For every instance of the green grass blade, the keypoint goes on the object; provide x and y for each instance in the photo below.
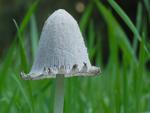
(124, 17)
(121, 38)
(91, 40)
(7, 63)
(91, 35)
(127, 20)
(138, 24)
(85, 18)
(34, 35)
(125, 86)
(147, 5)
(12, 101)
(28, 16)
(99, 56)
(140, 78)
(21, 29)
(24, 63)
(23, 92)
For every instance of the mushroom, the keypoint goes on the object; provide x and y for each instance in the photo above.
(61, 53)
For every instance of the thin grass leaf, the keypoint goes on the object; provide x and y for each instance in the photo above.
(140, 77)
(91, 40)
(22, 49)
(34, 35)
(42, 88)
(7, 64)
(147, 5)
(127, 20)
(21, 29)
(113, 45)
(12, 101)
(23, 91)
(124, 17)
(85, 18)
(145, 37)
(121, 38)
(98, 47)
(91, 35)
(28, 16)
(138, 24)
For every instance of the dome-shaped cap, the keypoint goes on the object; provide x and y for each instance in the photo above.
(61, 50)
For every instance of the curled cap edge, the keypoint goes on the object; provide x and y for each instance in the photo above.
(51, 72)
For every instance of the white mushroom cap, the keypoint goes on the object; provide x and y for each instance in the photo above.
(61, 50)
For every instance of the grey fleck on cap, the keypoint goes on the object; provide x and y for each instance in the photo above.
(61, 50)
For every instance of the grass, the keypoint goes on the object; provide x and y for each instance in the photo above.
(123, 86)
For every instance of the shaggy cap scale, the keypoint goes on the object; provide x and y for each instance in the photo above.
(61, 50)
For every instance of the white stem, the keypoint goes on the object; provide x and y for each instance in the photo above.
(59, 94)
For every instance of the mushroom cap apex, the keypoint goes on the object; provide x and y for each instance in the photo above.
(60, 16)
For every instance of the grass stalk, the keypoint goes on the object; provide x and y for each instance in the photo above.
(138, 24)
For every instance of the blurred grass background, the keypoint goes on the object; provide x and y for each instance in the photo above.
(117, 37)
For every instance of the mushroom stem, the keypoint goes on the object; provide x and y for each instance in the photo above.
(59, 94)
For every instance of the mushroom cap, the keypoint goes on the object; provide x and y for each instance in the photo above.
(61, 50)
